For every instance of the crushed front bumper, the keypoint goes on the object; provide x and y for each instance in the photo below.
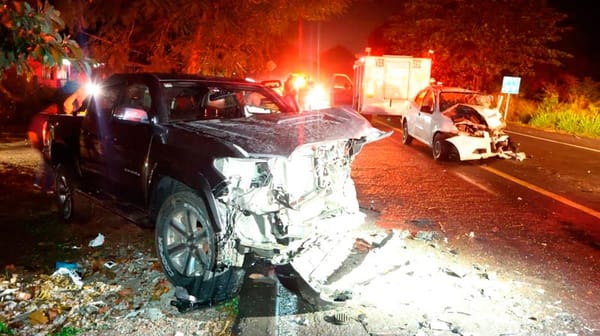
(475, 148)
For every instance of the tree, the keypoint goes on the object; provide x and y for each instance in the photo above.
(28, 33)
(211, 37)
(473, 42)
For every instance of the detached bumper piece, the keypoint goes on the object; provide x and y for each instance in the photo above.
(214, 289)
(185, 302)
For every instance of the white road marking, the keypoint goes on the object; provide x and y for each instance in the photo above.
(473, 182)
(554, 141)
(528, 185)
(544, 192)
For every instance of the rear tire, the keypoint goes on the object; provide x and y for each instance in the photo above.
(406, 138)
(186, 246)
(64, 191)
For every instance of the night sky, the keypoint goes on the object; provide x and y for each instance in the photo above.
(352, 30)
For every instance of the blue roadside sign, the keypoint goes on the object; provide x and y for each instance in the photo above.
(510, 84)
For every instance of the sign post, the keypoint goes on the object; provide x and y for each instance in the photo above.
(510, 85)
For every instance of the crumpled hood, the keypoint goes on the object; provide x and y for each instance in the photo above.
(492, 116)
(281, 134)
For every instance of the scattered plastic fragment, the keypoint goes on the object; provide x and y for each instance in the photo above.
(72, 274)
(70, 266)
(340, 318)
(98, 241)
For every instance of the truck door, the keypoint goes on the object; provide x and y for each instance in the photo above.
(131, 134)
(94, 133)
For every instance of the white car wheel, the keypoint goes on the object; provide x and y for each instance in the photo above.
(439, 148)
(406, 138)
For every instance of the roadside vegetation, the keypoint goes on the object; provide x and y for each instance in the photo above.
(66, 331)
(572, 106)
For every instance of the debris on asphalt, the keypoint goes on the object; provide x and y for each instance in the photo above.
(407, 288)
(98, 241)
(132, 297)
(71, 274)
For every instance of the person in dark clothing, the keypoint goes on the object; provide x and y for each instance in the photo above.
(44, 178)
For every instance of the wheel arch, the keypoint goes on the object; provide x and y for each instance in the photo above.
(62, 154)
(164, 185)
(443, 137)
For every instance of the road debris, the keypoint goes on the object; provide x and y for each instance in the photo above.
(96, 301)
(98, 241)
(71, 274)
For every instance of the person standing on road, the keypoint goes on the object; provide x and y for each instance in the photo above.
(44, 177)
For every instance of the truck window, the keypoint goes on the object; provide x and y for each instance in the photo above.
(193, 101)
(136, 104)
(101, 106)
(184, 100)
(107, 98)
(224, 104)
(255, 102)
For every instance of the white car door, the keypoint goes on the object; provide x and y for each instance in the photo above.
(424, 116)
(413, 112)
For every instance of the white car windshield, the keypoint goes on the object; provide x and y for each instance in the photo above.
(449, 99)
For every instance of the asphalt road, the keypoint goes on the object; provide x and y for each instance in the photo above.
(538, 218)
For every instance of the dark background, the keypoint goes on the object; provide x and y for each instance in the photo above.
(352, 30)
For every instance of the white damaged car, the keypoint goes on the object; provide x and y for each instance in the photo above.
(458, 124)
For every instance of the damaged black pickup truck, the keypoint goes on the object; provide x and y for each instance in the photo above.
(222, 168)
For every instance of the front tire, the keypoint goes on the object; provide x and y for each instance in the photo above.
(406, 138)
(453, 154)
(64, 191)
(440, 148)
(185, 239)
(186, 246)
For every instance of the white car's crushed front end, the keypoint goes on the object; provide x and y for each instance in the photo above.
(479, 133)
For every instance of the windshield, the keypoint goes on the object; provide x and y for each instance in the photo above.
(188, 101)
(449, 99)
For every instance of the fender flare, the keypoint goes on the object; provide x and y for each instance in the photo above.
(163, 185)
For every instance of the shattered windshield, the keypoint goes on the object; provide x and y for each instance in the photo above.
(449, 99)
